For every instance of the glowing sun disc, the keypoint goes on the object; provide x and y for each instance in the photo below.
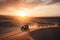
(22, 13)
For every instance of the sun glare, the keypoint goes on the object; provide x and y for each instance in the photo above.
(22, 13)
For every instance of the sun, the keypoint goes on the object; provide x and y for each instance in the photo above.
(22, 13)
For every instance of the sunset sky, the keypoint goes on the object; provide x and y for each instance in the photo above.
(36, 8)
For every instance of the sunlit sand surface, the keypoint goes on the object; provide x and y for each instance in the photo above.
(38, 29)
(19, 34)
(16, 35)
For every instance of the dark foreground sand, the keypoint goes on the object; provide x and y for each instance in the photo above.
(40, 34)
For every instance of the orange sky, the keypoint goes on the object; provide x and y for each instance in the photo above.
(30, 7)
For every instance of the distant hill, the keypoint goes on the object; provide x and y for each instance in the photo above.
(33, 19)
(7, 16)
